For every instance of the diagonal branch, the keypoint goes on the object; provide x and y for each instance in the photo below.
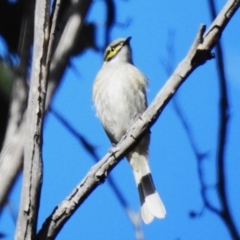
(198, 54)
(200, 156)
(132, 216)
(224, 210)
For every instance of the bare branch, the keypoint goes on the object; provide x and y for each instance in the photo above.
(224, 211)
(32, 174)
(215, 30)
(64, 49)
(132, 216)
(223, 129)
(12, 151)
(200, 157)
(11, 161)
(198, 54)
(52, 32)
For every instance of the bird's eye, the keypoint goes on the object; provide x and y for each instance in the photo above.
(112, 49)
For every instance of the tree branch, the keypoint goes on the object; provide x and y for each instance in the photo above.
(200, 156)
(11, 161)
(91, 150)
(222, 138)
(224, 211)
(65, 45)
(32, 174)
(198, 54)
(12, 151)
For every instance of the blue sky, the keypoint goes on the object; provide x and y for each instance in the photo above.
(173, 164)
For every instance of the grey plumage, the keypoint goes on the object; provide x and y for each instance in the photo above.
(119, 95)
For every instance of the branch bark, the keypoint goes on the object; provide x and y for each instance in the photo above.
(11, 161)
(198, 54)
(32, 174)
(134, 218)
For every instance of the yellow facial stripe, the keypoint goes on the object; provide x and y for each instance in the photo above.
(112, 51)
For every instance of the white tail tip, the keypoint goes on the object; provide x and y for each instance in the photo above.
(152, 207)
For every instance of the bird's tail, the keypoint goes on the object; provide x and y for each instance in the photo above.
(151, 204)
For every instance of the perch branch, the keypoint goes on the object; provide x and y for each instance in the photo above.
(198, 54)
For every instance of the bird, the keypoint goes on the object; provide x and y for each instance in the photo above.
(119, 96)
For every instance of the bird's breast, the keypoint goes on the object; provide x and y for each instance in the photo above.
(119, 97)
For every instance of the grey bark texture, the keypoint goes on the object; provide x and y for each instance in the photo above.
(32, 165)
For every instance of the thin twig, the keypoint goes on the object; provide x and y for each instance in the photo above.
(222, 137)
(53, 31)
(200, 157)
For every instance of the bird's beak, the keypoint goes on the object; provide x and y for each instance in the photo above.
(127, 40)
